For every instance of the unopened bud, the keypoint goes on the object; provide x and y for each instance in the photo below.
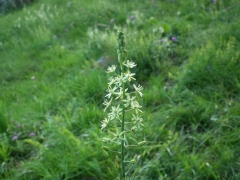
(134, 128)
(134, 160)
(106, 153)
(119, 34)
(142, 143)
(118, 51)
(120, 57)
(105, 148)
(136, 172)
(106, 140)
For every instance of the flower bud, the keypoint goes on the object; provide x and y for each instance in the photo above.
(120, 34)
(120, 57)
(134, 128)
(119, 47)
(105, 153)
(105, 148)
(134, 160)
(106, 140)
(142, 143)
(118, 51)
(121, 42)
(136, 172)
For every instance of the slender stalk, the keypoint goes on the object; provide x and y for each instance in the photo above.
(123, 136)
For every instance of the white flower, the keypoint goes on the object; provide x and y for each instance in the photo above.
(120, 80)
(107, 104)
(111, 91)
(129, 100)
(135, 105)
(111, 81)
(117, 138)
(111, 69)
(129, 76)
(120, 92)
(104, 123)
(115, 112)
(137, 121)
(129, 64)
(138, 89)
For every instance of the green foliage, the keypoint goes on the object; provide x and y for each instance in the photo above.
(90, 85)
(3, 120)
(221, 63)
(4, 150)
(68, 152)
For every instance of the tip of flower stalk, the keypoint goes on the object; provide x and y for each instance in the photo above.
(120, 33)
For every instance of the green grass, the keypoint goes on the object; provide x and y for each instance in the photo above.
(52, 85)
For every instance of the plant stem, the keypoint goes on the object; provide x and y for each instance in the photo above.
(123, 136)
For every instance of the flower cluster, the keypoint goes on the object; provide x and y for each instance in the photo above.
(116, 90)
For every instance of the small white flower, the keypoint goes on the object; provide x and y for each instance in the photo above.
(135, 105)
(111, 69)
(120, 80)
(129, 76)
(138, 89)
(129, 64)
(111, 91)
(115, 112)
(104, 123)
(137, 121)
(129, 100)
(111, 81)
(119, 94)
(117, 137)
(107, 104)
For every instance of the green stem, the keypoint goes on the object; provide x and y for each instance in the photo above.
(123, 138)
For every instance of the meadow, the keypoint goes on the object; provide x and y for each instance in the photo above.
(53, 60)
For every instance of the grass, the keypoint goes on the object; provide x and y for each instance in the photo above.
(52, 84)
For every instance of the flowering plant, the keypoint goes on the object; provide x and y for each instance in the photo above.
(122, 101)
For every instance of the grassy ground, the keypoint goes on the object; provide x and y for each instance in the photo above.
(52, 88)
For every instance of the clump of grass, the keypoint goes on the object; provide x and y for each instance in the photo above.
(220, 63)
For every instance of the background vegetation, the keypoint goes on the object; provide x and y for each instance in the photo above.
(53, 56)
